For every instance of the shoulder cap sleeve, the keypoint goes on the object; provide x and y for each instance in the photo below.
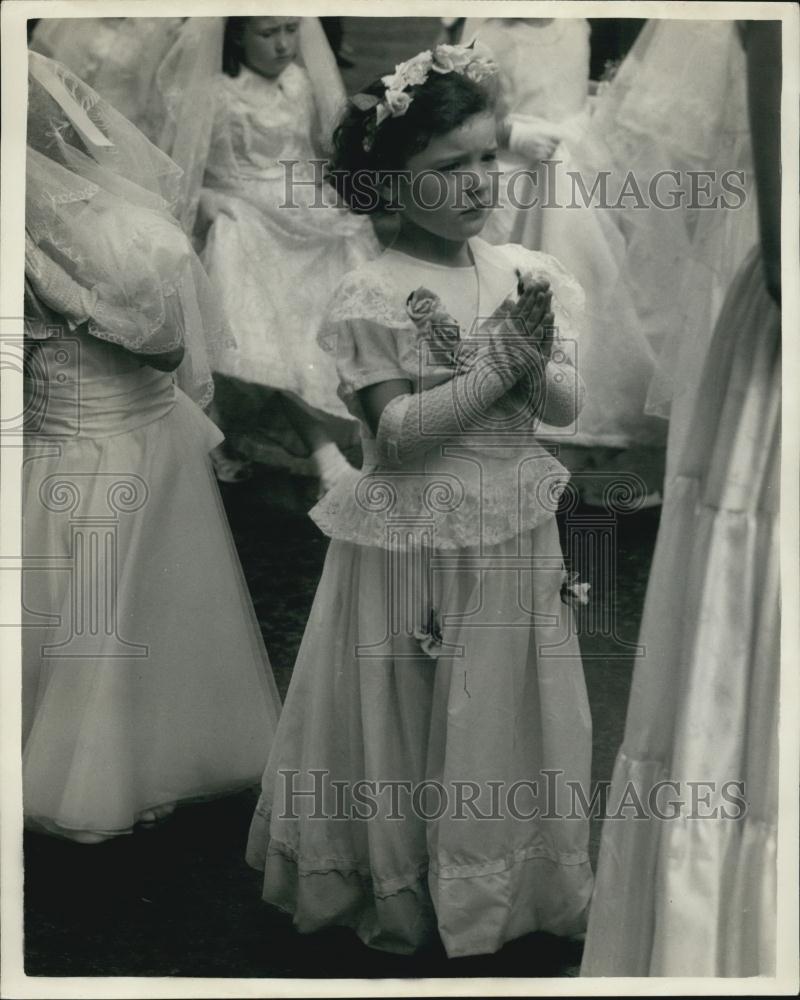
(369, 334)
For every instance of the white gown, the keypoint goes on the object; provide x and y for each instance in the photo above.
(145, 678)
(504, 701)
(697, 896)
(275, 268)
(544, 76)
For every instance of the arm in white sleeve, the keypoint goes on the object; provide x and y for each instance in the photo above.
(563, 396)
(76, 303)
(413, 423)
(55, 287)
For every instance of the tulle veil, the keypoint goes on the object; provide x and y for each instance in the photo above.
(185, 87)
(99, 199)
(678, 103)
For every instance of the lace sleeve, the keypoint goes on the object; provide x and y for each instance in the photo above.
(370, 336)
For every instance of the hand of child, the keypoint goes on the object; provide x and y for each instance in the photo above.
(532, 145)
(515, 348)
(536, 299)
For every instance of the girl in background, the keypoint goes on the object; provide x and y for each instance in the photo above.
(438, 652)
(274, 251)
(145, 680)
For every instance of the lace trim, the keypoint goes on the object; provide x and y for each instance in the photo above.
(451, 508)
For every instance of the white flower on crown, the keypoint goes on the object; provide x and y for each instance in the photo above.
(415, 71)
(395, 103)
(479, 70)
(411, 73)
(451, 58)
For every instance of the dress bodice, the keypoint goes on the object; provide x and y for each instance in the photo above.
(259, 122)
(544, 69)
(489, 486)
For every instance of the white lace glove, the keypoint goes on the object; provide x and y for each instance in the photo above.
(413, 423)
(548, 386)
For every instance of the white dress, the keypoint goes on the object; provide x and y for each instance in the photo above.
(469, 675)
(275, 268)
(145, 678)
(544, 76)
(697, 896)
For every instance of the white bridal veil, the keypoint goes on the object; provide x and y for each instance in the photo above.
(186, 83)
(98, 202)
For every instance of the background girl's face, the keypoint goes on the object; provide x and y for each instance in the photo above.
(450, 191)
(269, 44)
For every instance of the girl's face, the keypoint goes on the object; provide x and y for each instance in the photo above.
(450, 190)
(269, 44)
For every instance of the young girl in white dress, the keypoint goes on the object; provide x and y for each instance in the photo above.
(545, 106)
(273, 255)
(145, 680)
(439, 660)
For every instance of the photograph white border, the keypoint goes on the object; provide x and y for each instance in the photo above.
(13, 981)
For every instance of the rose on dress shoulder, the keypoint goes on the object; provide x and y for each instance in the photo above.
(421, 304)
(441, 333)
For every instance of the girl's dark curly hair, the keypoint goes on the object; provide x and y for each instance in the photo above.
(439, 105)
(232, 45)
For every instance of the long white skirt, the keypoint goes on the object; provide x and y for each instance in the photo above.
(504, 702)
(145, 678)
(696, 896)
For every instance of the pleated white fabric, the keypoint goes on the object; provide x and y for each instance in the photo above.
(505, 703)
(696, 895)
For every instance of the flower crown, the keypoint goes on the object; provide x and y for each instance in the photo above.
(461, 59)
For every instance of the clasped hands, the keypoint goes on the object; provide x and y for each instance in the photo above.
(521, 331)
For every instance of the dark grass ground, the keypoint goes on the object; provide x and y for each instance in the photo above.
(179, 900)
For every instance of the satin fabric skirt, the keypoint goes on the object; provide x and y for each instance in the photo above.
(371, 702)
(695, 895)
(145, 679)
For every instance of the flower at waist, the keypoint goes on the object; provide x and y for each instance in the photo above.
(574, 592)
